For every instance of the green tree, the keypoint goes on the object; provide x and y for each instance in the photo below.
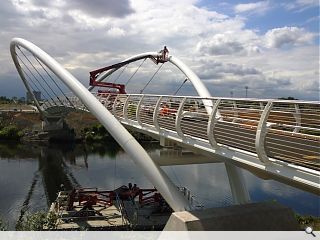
(288, 98)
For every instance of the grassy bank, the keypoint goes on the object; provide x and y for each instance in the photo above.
(308, 221)
(13, 126)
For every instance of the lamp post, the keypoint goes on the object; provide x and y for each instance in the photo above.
(246, 87)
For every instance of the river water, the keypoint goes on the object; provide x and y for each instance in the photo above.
(31, 176)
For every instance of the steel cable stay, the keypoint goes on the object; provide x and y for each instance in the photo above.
(141, 91)
(49, 75)
(120, 73)
(40, 76)
(135, 71)
(184, 81)
(37, 80)
(31, 81)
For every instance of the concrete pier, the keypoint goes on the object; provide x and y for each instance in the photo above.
(267, 216)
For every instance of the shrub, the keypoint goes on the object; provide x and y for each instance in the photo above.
(37, 222)
(10, 132)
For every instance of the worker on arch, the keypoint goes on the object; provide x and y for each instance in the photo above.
(163, 55)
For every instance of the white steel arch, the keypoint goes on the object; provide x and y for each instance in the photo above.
(152, 171)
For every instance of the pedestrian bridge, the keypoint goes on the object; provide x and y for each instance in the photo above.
(274, 137)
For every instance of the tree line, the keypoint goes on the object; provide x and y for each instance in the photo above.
(4, 99)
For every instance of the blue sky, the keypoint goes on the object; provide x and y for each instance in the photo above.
(278, 14)
(271, 46)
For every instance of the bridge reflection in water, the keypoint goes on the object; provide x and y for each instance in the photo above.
(30, 177)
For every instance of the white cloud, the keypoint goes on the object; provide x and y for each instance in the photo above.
(116, 32)
(279, 37)
(301, 5)
(220, 48)
(237, 42)
(94, 8)
(220, 44)
(256, 7)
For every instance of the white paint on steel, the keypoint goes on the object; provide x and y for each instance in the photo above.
(262, 132)
(138, 110)
(235, 110)
(156, 113)
(179, 117)
(125, 108)
(211, 124)
(114, 106)
(297, 117)
(152, 171)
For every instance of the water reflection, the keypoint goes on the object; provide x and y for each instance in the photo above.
(31, 176)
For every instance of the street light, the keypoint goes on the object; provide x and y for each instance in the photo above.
(246, 87)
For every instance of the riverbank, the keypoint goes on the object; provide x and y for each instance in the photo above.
(81, 126)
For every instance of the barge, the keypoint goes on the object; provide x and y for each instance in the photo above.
(125, 208)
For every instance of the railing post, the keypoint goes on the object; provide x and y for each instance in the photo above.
(235, 111)
(156, 113)
(211, 124)
(138, 110)
(125, 108)
(106, 101)
(115, 105)
(297, 117)
(179, 117)
(261, 105)
(262, 132)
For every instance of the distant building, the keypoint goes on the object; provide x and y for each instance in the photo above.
(37, 95)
